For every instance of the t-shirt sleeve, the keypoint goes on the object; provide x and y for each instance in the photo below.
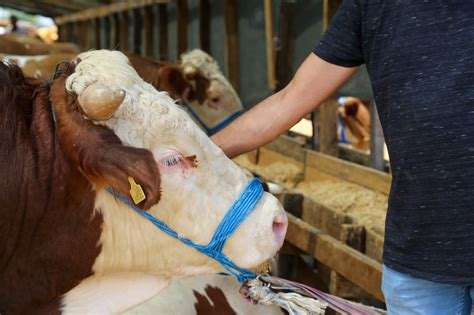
(342, 42)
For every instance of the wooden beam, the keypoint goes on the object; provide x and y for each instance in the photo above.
(346, 261)
(148, 39)
(232, 43)
(106, 10)
(163, 23)
(205, 25)
(270, 49)
(182, 21)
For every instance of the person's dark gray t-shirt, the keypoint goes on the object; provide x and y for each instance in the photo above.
(420, 58)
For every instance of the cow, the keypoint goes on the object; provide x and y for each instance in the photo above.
(14, 44)
(70, 246)
(356, 116)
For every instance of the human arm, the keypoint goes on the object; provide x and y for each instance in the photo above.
(314, 81)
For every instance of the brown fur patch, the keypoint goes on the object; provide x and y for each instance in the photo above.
(219, 306)
(49, 236)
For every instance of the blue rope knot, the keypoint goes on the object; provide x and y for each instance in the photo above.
(237, 213)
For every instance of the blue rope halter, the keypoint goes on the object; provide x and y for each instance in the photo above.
(237, 213)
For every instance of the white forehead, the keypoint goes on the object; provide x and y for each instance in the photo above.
(111, 68)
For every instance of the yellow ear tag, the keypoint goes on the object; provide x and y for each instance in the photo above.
(136, 191)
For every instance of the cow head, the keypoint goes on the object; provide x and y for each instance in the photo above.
(198, 182)
(198, 80)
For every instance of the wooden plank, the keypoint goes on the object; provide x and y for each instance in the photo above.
(205, 25)
(105, 10)
(350, 172)
(346, 261)
(348, 153)
(148, 39)
(124, 31)
(288, 147)
(357, 174)
(137, 29)
(231, 42)
(377, 141)
(182, 21)
(163, 21)
(328, 127)
(285, 54)
(270, 49)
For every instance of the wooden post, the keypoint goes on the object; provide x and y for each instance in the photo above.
(271, 77)
(97, 42)
(328, 127)
(137, 28)
(124, 31)
(61, 33)
(329, 9)
(316, 135)
(232, 44)
(163, 23)
(115, 30)
(106, 32)
(148, 22)
(83, 35)
(103, 32)
(205, 25)
(182, 19)
(324, 119)
(287, 44)
(377, 140)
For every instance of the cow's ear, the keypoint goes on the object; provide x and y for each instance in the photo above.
(99, 153)
(172, 80)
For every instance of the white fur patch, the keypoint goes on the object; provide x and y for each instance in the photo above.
(111, 294)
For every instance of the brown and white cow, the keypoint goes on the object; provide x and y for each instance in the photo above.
(355, 114)
(15, 44)
(67, 244)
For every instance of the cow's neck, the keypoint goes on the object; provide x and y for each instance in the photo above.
(129, 242)
(47, 220)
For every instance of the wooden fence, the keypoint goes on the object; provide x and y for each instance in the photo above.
(130, 26)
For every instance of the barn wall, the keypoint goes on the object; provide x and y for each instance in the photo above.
(307, 30)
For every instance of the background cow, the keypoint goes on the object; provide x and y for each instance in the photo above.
(67, 243)
(14, 44)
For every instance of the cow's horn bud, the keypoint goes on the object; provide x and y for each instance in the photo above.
(99, 102)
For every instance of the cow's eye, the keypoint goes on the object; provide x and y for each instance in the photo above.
(173, 160)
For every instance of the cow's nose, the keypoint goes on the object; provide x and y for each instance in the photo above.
(280, 224)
